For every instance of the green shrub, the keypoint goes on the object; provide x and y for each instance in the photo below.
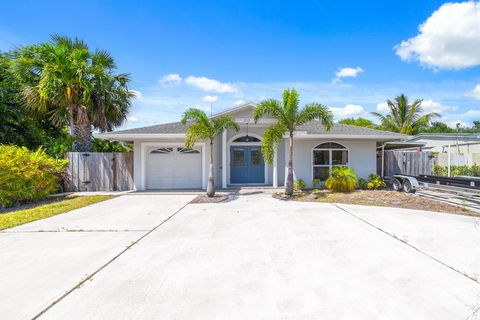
(362, 184)
(317, 183)
(342, 179)
(375, 182)
(473, 171)
(299, 185)
(27, 175)
(110, 146)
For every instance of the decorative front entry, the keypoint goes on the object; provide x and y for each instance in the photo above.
(246, 165)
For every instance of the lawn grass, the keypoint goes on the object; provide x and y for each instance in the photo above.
(15, 217)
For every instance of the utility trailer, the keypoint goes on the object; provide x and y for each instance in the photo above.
(464, 186)
(404, 183)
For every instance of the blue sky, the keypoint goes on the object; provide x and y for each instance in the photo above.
(194, 53)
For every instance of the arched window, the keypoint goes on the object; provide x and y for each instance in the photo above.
(326, 156)
(247, 138)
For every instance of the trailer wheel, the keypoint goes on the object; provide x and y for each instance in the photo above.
(396, 184)
(407, 187)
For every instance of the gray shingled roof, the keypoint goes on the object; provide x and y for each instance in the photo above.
(315, 127)
(174, 127)
(312, 127)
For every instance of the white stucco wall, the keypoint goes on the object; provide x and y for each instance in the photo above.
(217, 161)
(362, 157)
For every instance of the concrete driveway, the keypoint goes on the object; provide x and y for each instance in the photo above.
(253, 257)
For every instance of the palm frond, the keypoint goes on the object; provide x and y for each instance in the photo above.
(197, 131)
(271, 139)
(315, 111)
(269, 107)
(103, 59)
(224, 122)
(290, 102)
(195, 115)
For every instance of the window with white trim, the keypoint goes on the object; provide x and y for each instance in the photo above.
(187, 150)
(326, 156)
(162, 151)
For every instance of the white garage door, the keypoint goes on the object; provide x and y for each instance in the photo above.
(174, 168)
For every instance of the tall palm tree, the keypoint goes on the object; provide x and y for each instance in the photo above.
(288, 116)
(75, 86)
(203, 128)
(405, 117)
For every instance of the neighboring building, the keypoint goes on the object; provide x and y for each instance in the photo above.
(464, 147)
(162, 162)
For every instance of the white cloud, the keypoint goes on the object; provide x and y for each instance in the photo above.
(448, 39)
(433, 106)
(475, 93)
(350, 110)
(383, 107)
(171, 78)
(137, 94)
(132, 118)
(465, 118)
(210, 99)
(453, 123)
(209, 85)
(347, 72)
(239, 102)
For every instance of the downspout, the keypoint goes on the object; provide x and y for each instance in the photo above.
(383, 160)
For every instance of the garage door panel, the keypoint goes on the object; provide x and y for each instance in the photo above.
(174, 170)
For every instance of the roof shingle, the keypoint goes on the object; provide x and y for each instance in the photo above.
(312, 127)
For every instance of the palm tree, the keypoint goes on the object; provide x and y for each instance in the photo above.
(203, 128)
(404, 117)
(288, 117)
(74, 86)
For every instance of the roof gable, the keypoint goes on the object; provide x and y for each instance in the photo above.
(240, 109)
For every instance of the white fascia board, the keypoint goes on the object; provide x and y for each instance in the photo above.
(344, 136)
(139, 136)
(234, 109)
(251, 122)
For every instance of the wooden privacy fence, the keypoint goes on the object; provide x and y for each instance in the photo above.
(409, 163)
(99, 171)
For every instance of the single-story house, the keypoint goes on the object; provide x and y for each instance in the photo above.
(161, 160)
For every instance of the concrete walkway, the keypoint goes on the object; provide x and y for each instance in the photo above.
(249, 258)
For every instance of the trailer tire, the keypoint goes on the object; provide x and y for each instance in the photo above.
(396, 185)
(407, 187)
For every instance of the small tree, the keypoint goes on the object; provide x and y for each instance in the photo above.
(359, 122)
(289, 116)
(405, 117)
(204, 128)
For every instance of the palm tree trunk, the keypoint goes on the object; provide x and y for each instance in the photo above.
(289, 184)
(71, 125)
(83, 132)
(211, 183)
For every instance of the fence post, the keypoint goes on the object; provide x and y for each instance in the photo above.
(448, 161)
(383, 160)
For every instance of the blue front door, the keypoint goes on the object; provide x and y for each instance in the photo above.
(246, 165)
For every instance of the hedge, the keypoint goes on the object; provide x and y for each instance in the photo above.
(473, 171)
(27, 175)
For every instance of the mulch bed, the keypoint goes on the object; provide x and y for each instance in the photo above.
(384, 198)
(215, 199)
